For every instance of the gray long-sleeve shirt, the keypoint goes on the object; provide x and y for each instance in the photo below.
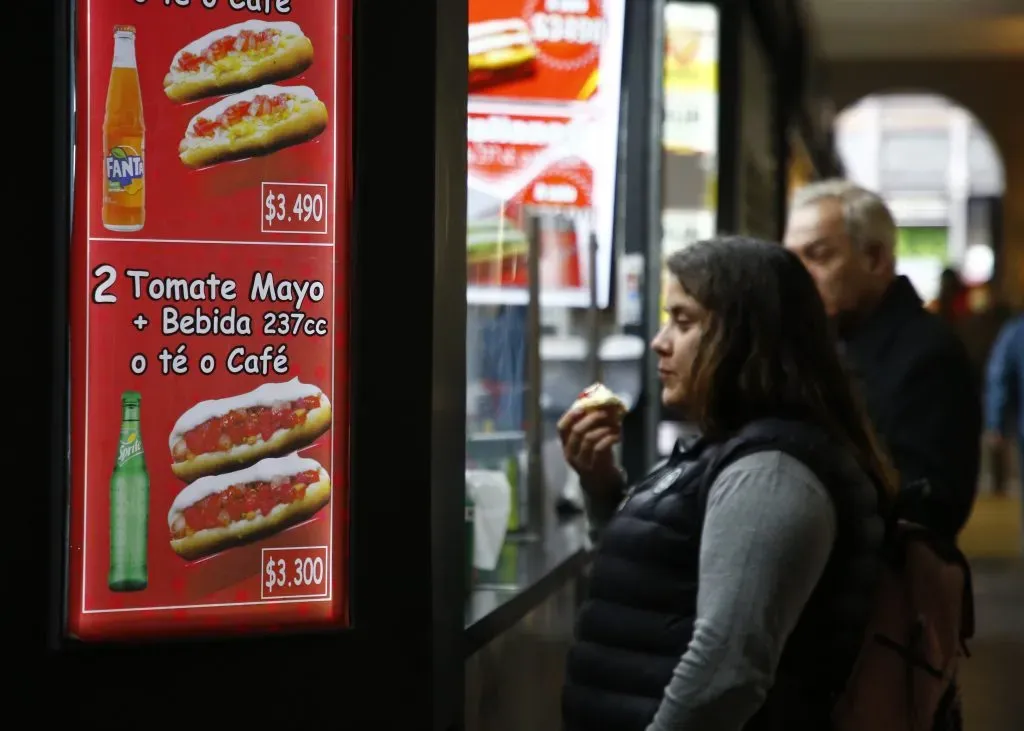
(768, 531)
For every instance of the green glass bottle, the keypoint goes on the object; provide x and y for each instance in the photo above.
(129, 504)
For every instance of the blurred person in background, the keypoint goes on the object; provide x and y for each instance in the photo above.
(1004, 394)
(730, 586)
(951, 304)
(915, 374)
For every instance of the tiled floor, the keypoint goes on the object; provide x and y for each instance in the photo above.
(991, 679)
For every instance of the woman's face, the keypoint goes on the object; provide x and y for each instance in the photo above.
(677, 342)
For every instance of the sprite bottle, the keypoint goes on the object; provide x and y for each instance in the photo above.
(129, 504)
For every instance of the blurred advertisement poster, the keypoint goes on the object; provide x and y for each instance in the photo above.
(542, 129)
(691, 78)
(689, 132)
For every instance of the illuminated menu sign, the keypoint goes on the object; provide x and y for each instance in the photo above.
(544, 88)
(208, 365)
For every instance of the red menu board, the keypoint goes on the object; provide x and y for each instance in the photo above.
(209, 405)
(535, 49)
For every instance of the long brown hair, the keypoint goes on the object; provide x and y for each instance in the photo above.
(767, 348)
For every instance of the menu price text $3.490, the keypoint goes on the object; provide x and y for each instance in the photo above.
(294, 208)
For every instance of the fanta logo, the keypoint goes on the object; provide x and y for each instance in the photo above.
(124, 170)
(128, 448)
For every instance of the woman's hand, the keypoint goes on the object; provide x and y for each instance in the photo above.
(587, 440)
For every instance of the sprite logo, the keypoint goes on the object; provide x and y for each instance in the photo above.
(128, 448)
(124, 170)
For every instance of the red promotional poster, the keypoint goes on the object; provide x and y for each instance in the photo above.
(535, 49)
(542, 129)
(209, 405)
(528, 157)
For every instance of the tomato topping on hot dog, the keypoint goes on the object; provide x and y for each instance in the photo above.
(261, 106)
(238, 57)
(251, 123)
(243, 426)
(242, 502)
(219, 511)
(245, 41)
(230, 433)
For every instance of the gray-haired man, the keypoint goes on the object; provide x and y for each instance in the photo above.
(915, 373)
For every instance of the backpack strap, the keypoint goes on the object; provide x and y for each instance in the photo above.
(905, 532)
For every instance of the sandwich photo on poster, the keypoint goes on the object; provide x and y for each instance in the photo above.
(536, 49)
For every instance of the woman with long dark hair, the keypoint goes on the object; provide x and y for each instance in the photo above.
(731, 585)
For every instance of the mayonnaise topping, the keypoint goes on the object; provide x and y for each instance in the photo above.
(492, 43)
(492, 27)
(263, 471)
(266, 395)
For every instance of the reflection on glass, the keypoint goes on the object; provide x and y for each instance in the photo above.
(689, 136)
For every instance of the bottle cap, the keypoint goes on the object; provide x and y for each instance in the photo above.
(131, 398)
(124, 29)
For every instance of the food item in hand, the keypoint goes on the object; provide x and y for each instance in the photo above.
(236, 58)
(221, 511)
(599, 396)
(255, 122)
(231, 433)
(500, 51)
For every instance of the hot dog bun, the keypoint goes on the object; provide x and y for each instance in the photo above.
(289, 54)
(500, 51)
(213, 540)
(281, 442)
(305, 118)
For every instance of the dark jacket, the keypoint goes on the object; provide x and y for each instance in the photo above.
(920, 390)
(638, 619)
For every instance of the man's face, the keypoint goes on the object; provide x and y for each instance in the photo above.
(677, 342)
(816, 233)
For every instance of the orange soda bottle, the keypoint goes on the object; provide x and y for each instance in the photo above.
(124, 140)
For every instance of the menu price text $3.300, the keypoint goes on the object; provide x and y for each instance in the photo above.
(294, 572)
(294, 208)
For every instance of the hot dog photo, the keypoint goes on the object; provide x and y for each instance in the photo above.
(500, 51)
(221, 511)
(244, 478)
(236, 58)
(255, 122)
(234, 432)
(253, 116)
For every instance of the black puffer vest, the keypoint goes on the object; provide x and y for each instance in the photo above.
(638, 619)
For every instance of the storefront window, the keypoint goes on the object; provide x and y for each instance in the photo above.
(542, 132)
(689, 135)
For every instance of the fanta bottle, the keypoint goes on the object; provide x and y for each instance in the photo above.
(124, 140)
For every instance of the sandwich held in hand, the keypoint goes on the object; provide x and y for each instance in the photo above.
(599, 396)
